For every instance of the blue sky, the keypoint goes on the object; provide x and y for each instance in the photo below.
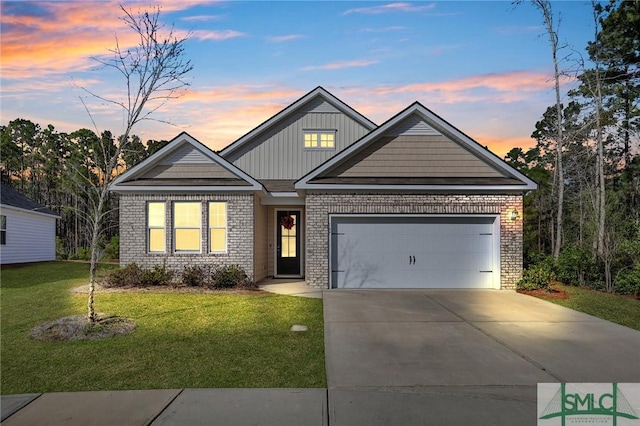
(483, 66)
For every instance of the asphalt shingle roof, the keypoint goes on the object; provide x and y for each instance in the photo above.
(11, 197)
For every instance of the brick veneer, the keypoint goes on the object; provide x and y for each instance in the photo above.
(319, 206)
(239, 232)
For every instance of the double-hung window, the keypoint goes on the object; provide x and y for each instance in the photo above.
(156, 236)
(3, 230)
(319, 139)
(217, 227)
(187, 223)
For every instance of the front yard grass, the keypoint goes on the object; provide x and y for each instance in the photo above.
(181, 340)
(611, 307)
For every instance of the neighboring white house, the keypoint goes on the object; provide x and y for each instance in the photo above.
(27, 229)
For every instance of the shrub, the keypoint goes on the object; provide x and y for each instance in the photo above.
(230, 276)
(572, 264)
(61, 251)
(537, 276)
(628, 281)
(159, 275)
(196, 276)
(112, 250)
(129, 276)
(84, 253)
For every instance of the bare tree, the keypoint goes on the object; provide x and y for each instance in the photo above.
(154, 72)
(544, 6)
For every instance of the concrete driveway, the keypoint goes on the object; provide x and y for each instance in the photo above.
(460, 357)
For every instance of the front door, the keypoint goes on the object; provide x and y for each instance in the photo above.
(288, 243)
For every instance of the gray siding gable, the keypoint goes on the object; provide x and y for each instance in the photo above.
(187, 154)
(275, 149)
(188, 164)
(416, 150)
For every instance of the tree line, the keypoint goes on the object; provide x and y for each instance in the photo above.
(584, 220)
(59, 170)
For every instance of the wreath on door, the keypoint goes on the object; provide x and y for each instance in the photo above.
(287, 222)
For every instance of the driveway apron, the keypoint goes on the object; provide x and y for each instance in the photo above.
(460, 356)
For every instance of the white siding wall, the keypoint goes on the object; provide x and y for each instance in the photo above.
(30, 237)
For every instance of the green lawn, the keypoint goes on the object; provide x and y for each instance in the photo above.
(611, 307)
(181, 340)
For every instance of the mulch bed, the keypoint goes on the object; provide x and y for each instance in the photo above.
(551, 293)
(77, 327)
(84, 289)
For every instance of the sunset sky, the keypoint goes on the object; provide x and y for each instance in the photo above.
(483, 66)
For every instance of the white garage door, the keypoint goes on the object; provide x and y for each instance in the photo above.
(414, 252)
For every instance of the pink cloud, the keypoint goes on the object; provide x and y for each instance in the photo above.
(390, 7)
(284, 38)
(68, 34)
(341, 64)
(216, 35)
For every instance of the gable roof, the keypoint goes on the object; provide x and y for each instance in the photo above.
(9, 197)
(184, 164)
(416, 150)
(317, 93)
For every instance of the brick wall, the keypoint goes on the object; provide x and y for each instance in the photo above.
(320, 206)
(240, 232)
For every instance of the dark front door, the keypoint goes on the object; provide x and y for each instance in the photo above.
(288, 243)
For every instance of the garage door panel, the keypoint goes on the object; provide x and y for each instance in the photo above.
(413, 252)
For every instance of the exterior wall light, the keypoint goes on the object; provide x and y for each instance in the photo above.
(514, 215)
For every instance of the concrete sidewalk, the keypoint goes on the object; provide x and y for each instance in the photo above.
(173, 407)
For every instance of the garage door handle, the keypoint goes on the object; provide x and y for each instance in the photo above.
(412, 260)
(486, 271)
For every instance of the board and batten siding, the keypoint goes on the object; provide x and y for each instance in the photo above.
(279, 152)
(31, 237)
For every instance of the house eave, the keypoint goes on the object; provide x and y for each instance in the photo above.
(418, 188)
(34, 212)
(180, 189)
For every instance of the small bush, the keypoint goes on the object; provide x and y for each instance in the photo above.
(61, 251)
(112, 250)
(196, 276)
(537, 276)
(84, 253)
(628, 281)
(574, 265)
(129, 276)
(159, 275)
(230, 276)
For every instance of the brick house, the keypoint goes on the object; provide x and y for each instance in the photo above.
(320, 192)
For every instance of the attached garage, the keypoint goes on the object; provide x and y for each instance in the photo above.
(416, 203)
(409, 251)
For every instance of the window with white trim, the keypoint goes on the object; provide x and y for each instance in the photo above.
(187, 224)
(3, 230)
(156, 232)
(319, 139)
(217, 227)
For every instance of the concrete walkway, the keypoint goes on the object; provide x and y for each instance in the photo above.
(290, 287)
(392, 358)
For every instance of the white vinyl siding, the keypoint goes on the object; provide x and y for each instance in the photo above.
(217, 227)
(30, 237)
(187, 225)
